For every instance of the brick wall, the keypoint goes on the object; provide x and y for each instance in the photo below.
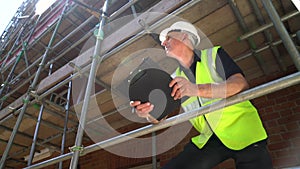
(280, 112)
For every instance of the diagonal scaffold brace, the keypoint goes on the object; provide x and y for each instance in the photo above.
(95, 60)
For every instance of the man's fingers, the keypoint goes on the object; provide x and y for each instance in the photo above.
(177, 95)
(144, 112)
(134, 103)
(173, 82)
(174, 90)
(142, 106)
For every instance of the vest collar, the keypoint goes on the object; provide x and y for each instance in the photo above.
(191, 72)
(197, 58)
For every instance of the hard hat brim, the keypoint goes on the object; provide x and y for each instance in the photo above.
(164, 33)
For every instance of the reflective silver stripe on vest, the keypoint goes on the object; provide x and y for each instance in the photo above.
(211, 64)
(192, 106)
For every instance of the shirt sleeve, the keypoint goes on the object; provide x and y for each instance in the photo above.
(225, 65)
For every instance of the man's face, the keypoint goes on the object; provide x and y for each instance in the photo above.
(173, 44)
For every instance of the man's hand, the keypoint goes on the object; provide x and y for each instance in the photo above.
(233, 85)
(182, 87)
(143, 110)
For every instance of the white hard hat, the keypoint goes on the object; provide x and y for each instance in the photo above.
(181, 26)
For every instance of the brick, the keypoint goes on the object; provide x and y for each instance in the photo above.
(289, 119)
(285, 113)
(284, 106)
(271, 116)
(292, 126)
(262, 112)
(294, 88)
(269, 109)
(296, 109)
(265, 104)
(296, 142)
(297, 102)
(277, 94)
(282, 99)
(275, 138)
(278, 145)
(259, 100)
(293, 96)
(277, 130)
(283, 153)
(291, 134)
(271, 123)
(285, 162)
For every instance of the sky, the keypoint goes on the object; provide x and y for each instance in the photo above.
(8, 8)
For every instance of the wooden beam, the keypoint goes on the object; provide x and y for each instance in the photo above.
(127, 31)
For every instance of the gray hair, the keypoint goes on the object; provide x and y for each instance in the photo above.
(193, 39)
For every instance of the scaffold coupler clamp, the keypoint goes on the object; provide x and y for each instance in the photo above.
(99, 33)
(77, 148)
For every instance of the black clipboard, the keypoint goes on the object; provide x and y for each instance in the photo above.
(149, 83)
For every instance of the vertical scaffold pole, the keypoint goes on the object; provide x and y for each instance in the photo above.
(31, 88)
(154, 152)
(37, 128)
(95, 60)
(67, 107)
(284, 35)
(35, 136)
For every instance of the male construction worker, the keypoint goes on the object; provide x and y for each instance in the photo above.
(206, 76)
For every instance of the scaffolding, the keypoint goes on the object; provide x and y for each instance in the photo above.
(15, 24)
(42, 93)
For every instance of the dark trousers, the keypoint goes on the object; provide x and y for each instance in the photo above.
(255, 156)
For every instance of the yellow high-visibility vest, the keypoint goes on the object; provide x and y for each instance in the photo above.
(237, 126)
